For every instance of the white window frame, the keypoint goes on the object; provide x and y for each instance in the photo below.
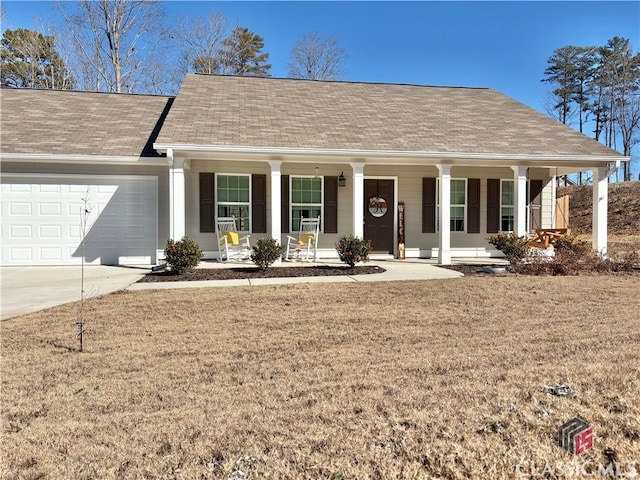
(219, 203)
(466, 201)
(512, 205)
(295, 228)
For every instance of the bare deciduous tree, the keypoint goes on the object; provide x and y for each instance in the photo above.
(117, 42)
(200, 40)
(317, 58)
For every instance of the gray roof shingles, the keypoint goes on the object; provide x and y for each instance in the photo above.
(56, 122)
(286, 113)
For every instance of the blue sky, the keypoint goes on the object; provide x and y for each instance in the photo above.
(502, 45)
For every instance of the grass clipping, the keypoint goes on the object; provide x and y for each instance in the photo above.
(390, 380)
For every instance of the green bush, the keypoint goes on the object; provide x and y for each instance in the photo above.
(265, 252)
(515, 248)
(353, 250)
(183, 255)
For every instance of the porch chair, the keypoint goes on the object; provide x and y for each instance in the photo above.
(305, 245)
(231, 246)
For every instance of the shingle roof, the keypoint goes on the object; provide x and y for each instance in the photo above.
(79, 123)
(270, 112)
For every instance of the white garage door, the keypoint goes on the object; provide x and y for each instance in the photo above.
(42, 221)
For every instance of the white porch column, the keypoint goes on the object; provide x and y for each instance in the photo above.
(520, 194)
(600, 197)
(276, 200)
(358, 199)
(444, 199)
(177, 204)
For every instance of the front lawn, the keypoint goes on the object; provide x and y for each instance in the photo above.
(337, 381)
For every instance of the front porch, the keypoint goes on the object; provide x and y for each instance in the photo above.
(461, 203)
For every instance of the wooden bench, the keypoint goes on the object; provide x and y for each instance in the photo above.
(543, 237)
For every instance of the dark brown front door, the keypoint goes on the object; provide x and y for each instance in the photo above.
(379, 207)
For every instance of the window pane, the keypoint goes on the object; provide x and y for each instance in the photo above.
(458, 192)
(507, 192)
(457, 219)
(239, 212)
(233, 197)
(506, 219)
(306, 197)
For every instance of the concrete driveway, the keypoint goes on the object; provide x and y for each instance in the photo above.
(29, 289)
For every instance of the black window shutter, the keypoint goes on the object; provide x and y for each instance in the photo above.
(493, 205)
(207, 202)
(330, 205)
(473, 205)
(284, 207)
(258, 203)
(429, 205)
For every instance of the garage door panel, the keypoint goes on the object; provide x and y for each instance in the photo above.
(46, 188)
(20, 208)
(51, 232)
(51, 254)
(121, 225)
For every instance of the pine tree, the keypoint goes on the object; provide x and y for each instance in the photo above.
(241, 54)
(29, 60)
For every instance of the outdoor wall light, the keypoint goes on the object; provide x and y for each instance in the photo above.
(342, 181)
(317, 171)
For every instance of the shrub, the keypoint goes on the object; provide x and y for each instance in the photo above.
(265, 252)
(515, 248)
(183, 255)
(569, 243)
(353, 250)
(569, 262)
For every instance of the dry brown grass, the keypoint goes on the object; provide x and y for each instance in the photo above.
(384, 380)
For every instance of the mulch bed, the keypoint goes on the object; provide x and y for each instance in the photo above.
(243, 273)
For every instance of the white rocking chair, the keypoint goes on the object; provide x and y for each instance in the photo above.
(231, 246)
(305, 246)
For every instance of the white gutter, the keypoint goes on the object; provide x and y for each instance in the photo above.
(163, 147)
(95, 159)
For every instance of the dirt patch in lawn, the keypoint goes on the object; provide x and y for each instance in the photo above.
(383, 380)
(254, 272)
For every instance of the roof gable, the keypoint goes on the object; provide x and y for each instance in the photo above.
(286, 113)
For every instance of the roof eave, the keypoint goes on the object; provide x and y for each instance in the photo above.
(379, 156)
(75, 158)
